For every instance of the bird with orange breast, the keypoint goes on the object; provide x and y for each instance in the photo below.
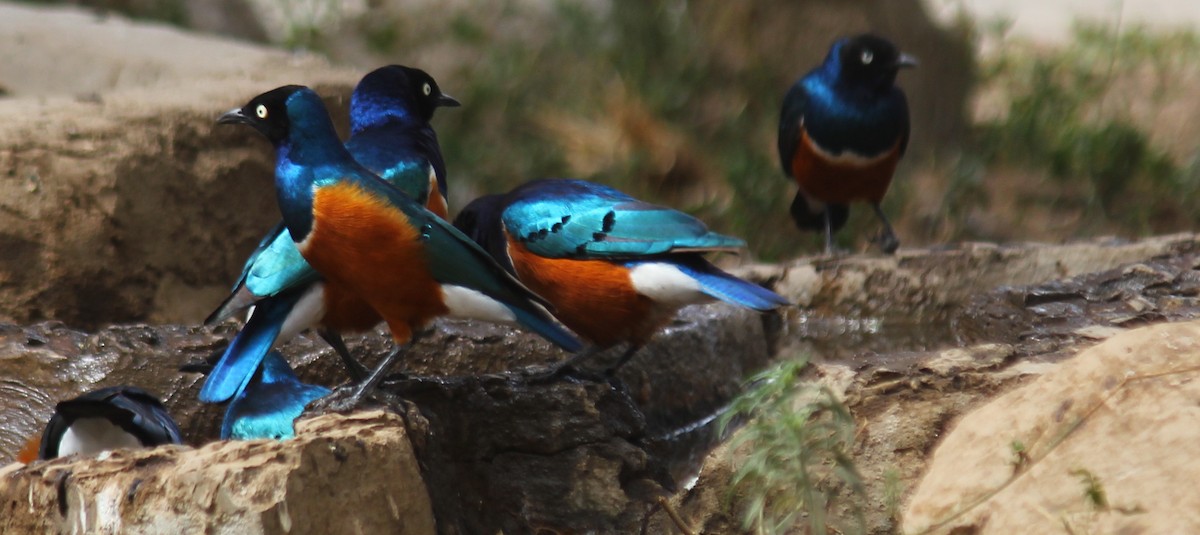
(615, 268)
(364, 235)
(842, 130)
(390, 134)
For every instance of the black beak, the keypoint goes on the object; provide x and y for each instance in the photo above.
(448, 101)
(906, 60)
(234, 116)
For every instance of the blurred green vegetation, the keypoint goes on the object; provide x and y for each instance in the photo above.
(677, 125)
(676, 101)
(792, 455)
(650, 98)
(1072, 115)
(639, 96)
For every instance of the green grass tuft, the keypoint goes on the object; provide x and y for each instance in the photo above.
(796, 446)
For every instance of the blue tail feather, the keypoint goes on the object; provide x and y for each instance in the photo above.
(730, 289)
(269, 404)
(248, 348)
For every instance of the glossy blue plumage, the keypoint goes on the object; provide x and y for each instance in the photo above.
(270, 403)
(615, 268)
(577, 219)
(390, 132)
(567, 218)
(721, 285)
(391, 136)
(247, 349)
(842, 114)
(310, 157)
(842, 128)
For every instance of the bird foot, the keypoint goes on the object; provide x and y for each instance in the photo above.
(356, 370)
(343, 399)
(566, 370)
(887, 242)
(196, 366)
(833, 252)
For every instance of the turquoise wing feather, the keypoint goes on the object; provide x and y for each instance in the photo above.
(566, 218)
(454, 259)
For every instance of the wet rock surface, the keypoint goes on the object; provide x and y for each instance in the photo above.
(908, 392)
(857, 307)
(496, 449)
(510, 450)
(523, 453)
(1091, 306)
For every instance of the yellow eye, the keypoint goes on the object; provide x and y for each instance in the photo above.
(428, 89)
(261, 111)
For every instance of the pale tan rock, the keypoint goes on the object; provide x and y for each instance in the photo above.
(341, 474)
(121, 199)
(1119, 419)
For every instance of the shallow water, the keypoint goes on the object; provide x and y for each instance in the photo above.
(862, 339)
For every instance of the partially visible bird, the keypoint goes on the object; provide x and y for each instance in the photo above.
(368, 237)
(390, 110)
(270, 403)
(106, 419)
(842, 130)
(615, 268)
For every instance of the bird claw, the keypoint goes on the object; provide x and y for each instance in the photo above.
(887, 242)
(564, 371)
(833, 251)
(343, 399)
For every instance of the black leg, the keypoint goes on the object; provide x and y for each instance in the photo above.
(887, 241)
(828, 230)
(354, 368)
(624, 359)
(348, 398)
(384, 366)
(577, 358)
(567, 369)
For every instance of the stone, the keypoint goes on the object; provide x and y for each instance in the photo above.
(120, 199)
(1104, 443)
(336, 465)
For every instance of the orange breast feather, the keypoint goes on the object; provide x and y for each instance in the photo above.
(346, 312)
(596, 299)
(829, 179)
(436, 203)
(367, 247)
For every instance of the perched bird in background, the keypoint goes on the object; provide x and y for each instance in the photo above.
(390, 134)
(366, 236)
(615, 268)
(270, 403)
(106, 419)
(843, 128)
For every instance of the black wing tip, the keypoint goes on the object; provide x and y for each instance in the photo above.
(237, 301)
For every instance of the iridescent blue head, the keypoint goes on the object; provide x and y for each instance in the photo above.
(866, 61)
(395, 93)
(284, 112)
